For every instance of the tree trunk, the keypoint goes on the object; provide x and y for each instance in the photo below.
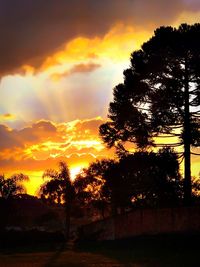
(67, 211)
(67, 220)
(187, 140)
(113, 204)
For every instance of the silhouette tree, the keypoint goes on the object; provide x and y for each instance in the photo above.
(52, 191)
(59, 189)
(139, 179)
(153, 179)
(116, 187)
(88, 185)
(100, 185)
(196, 188)
(160, 96)
(12, 186)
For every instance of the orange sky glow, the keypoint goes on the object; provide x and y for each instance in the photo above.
(53, 102)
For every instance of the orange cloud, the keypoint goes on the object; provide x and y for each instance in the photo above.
(43, 144)
(37, 132)
(77, 68)
(116, 44)
(46, 141)
(50, 26)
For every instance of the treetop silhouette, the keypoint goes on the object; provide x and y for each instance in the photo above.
(12, 186)
(160, 96)
(59, 189)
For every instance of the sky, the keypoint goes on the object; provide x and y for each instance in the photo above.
(59, 61)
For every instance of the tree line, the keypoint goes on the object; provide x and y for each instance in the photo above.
(111, 187)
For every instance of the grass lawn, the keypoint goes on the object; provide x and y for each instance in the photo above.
(179, 250)
(58, 258)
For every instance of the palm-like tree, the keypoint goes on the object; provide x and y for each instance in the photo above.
(10, 187)
(59, 189)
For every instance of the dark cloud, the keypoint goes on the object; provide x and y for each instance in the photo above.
(193, 5)
(30, 30)
(8, 138)
(77, 68)
(39, 131)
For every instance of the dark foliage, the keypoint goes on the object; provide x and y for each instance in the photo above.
(142, 179)
(12, 186)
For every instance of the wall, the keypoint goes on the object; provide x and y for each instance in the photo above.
(144, 222)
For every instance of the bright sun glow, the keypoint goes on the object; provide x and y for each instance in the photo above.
(74, 171)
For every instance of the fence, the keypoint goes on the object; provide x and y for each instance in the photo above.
(144, 222)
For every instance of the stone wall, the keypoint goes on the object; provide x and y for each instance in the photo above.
(144, 222)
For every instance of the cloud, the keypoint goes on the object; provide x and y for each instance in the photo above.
(192, 4)
(89, 126)
(31, 164)
(31, 30)
(44, 140)
(77, 68)
(37, 132)
(49, 134)
(43, 144)
(8, 138)
(6, 117)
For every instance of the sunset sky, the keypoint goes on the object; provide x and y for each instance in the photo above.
(59, 61)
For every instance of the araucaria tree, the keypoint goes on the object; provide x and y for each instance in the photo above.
(160, 96)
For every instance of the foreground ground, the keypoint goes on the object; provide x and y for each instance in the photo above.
(179, 250)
